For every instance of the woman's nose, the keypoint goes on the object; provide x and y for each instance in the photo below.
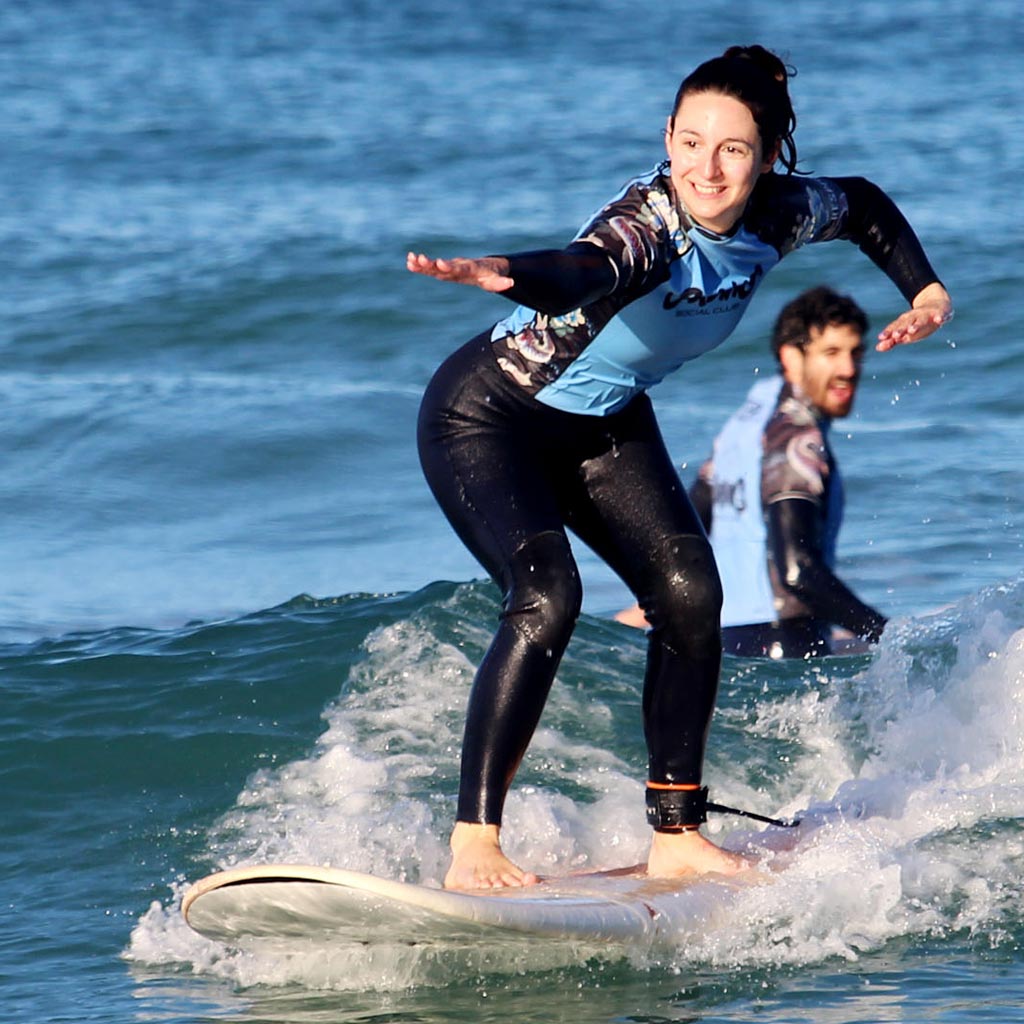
(710, 165)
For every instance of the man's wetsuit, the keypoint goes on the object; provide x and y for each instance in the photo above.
(541, 424)
(771, 497)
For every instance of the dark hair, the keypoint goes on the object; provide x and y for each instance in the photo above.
(758, 79)
(819, 307)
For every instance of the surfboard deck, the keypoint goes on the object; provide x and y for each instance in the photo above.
(322, 904)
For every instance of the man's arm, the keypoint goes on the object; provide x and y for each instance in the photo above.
(794, 543)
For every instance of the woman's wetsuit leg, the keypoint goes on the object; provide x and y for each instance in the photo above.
(633, 510)
(490, 471)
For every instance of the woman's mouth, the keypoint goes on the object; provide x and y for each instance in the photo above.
(707, 191)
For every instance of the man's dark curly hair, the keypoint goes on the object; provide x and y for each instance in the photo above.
(819, 307)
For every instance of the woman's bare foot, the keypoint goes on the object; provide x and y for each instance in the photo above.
(478, 863)
(689, 853)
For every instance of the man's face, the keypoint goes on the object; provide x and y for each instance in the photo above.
(827, 368)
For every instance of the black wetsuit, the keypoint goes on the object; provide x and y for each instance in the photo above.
(514, 462)
(511, 475)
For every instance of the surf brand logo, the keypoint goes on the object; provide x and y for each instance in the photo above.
(695, 297)
(730, 493)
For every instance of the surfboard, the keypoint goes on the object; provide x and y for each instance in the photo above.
(321, 904)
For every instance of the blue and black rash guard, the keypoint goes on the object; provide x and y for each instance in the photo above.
(643, 289)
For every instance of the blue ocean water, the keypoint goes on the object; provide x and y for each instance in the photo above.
(233, 625)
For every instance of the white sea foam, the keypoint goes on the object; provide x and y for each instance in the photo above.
(922, 839)
(910, 831)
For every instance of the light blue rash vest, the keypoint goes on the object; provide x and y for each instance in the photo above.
(680, 290)
(738, 535)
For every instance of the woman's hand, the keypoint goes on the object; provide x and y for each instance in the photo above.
(489, 272)
(931, 309)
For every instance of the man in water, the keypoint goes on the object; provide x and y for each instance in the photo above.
(771, 497)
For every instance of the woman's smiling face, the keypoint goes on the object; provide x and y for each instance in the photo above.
(716, 157)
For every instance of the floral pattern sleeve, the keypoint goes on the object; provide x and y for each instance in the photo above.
(796, 462)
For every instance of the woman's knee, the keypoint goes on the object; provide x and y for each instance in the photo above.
(543, 592)
(687, 589)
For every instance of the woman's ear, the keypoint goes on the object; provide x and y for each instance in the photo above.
(769, 161)
(668, 136)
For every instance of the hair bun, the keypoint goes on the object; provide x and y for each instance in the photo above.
(764, 59)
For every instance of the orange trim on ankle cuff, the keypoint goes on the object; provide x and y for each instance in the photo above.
(674, 786)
